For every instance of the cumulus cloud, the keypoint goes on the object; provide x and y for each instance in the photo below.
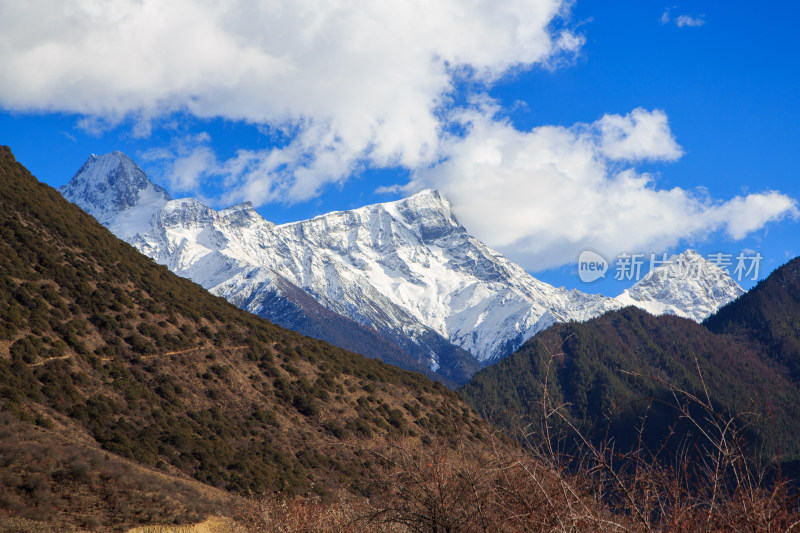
(351, 81)
(639, 135)
(541, 196)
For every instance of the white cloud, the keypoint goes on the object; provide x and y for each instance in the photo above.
(184, 164)
(690, 21)
(743, 215)
(541, 196)
(353, 80)
(187, 171)
(639, 135)
(682, 21)
(367, 82)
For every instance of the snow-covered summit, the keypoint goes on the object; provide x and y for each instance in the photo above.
(686, 285)
(115, 191)
(109, 184)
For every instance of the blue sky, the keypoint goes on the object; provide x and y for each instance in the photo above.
(624, 126)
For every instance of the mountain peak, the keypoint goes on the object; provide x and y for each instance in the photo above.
(426, 197)
(432, 194)
(685, 284)
(111, 183)
(244, 215)
(427, 214)
(244, 206)
(685, 265)
(428, 211)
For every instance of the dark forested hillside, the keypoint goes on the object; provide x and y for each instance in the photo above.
(130, 395)
(611, 371)
(767, 318)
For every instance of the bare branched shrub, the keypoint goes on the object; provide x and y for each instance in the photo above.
(431, 487)
(712, 483)
(491, 485)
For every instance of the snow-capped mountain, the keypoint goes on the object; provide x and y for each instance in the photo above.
(686, 285)
(407, 269)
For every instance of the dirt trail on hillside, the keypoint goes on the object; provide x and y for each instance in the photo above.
(164, 354)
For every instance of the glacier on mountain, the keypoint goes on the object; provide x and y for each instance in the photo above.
(406, 269)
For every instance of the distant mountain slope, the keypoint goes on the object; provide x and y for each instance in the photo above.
(282, 302)
(613, 370)
(101, 348)
(767, 318)
(406, 269)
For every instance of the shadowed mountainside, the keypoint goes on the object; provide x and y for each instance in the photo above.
(614, 371)
(767, 318)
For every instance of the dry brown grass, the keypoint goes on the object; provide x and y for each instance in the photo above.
(214, 524)
(278, 514)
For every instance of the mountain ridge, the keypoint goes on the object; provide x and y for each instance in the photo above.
(406, 269)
